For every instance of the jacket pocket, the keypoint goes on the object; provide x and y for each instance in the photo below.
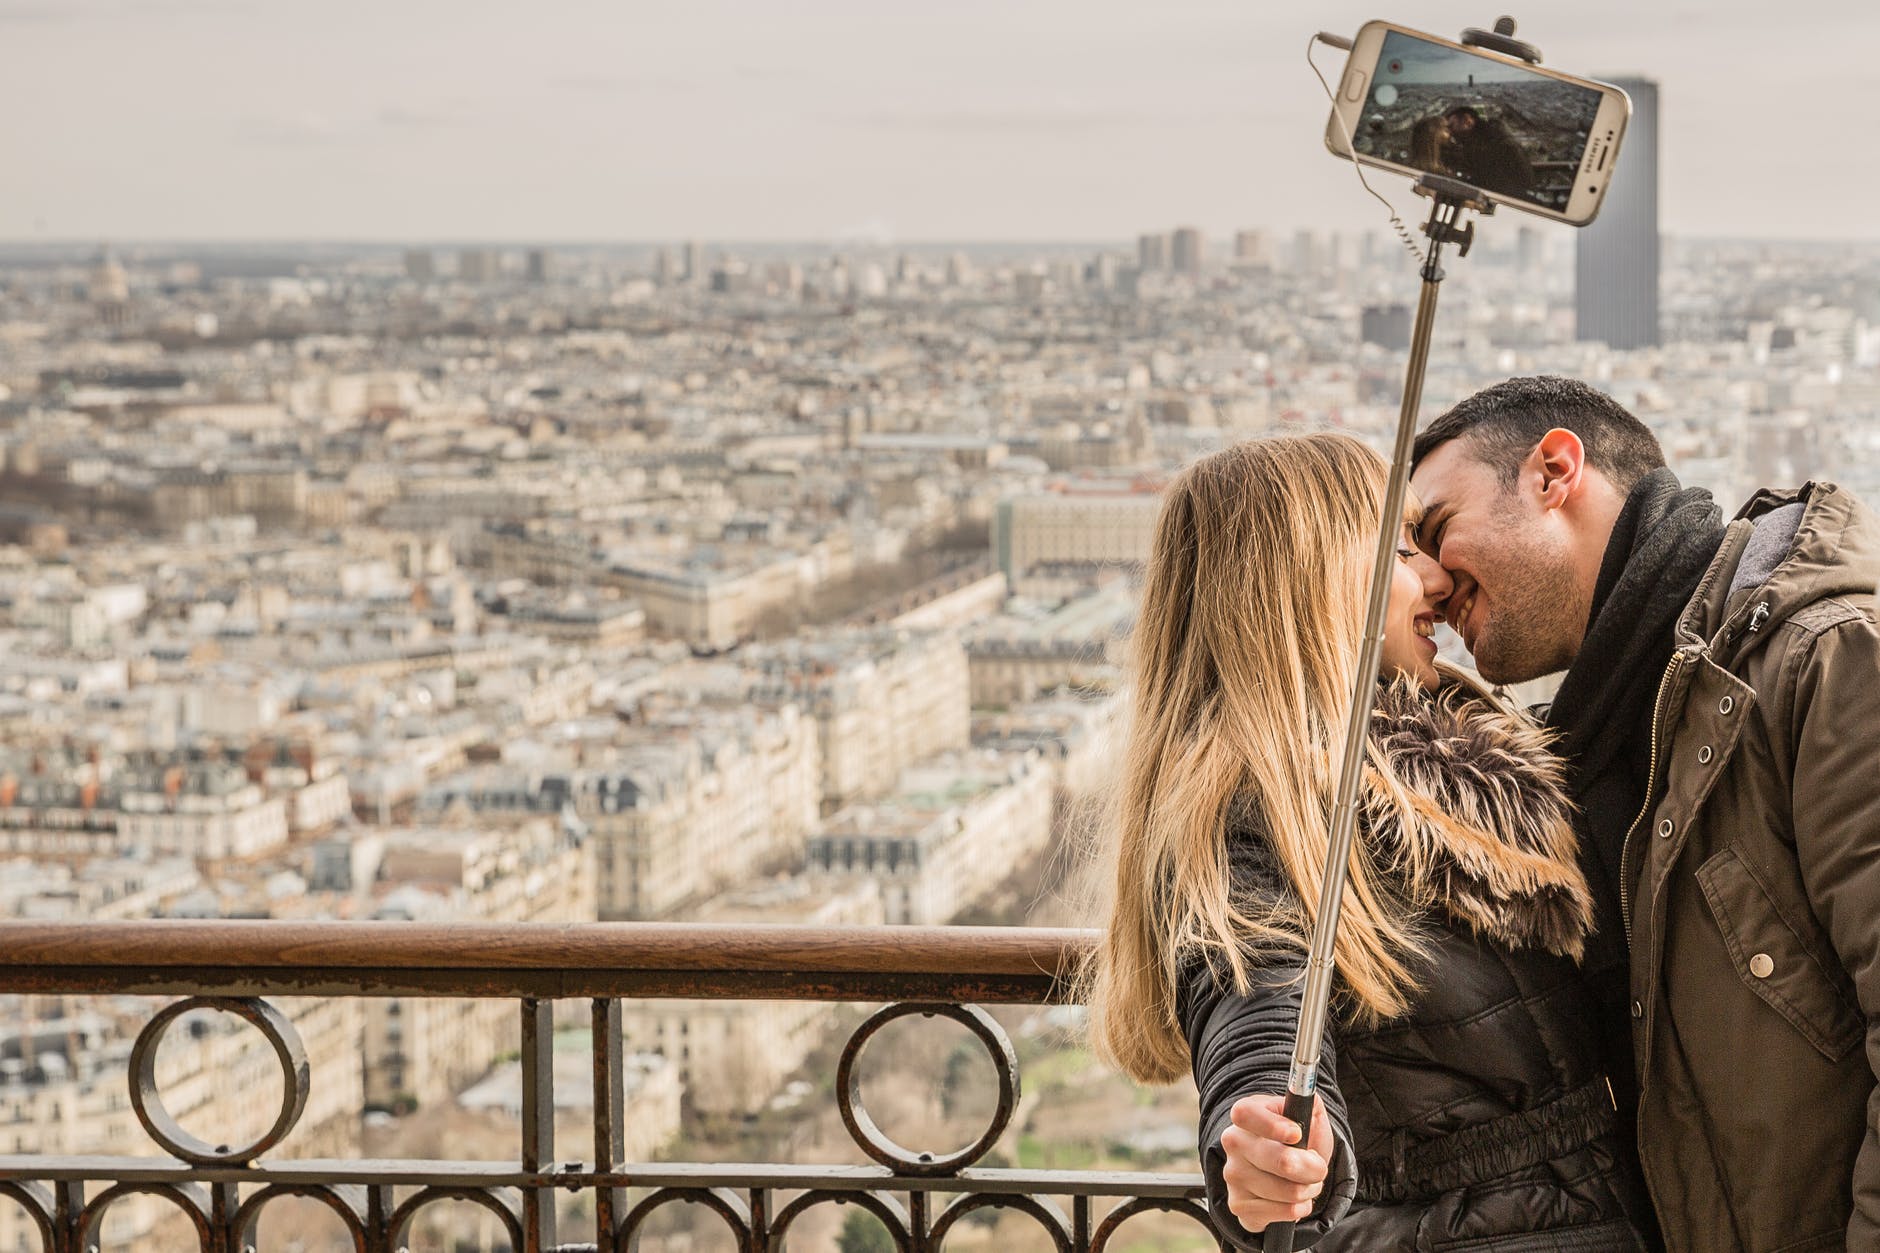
(1773, 961)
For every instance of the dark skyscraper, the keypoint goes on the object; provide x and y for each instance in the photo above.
(1615, 292)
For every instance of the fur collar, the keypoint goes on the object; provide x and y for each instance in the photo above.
(1477, 821)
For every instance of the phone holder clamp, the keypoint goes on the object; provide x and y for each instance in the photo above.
(1502, 40)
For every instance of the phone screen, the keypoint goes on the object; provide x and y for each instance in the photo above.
(1494, 125)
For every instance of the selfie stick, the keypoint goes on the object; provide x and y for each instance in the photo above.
(1451, 200)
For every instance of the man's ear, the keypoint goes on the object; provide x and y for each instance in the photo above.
(1560, 461)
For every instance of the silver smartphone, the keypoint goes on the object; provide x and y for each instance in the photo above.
(1530, 138)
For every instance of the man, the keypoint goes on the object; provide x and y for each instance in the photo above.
(1721, 713)
(1485, 154)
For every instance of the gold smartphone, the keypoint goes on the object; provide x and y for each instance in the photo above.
(1533, 139)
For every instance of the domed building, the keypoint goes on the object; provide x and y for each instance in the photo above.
(109, 288)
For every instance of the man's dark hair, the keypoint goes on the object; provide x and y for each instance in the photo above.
(1503, 423)
(1468, 109)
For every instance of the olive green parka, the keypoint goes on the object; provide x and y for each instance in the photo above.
(1751, 892)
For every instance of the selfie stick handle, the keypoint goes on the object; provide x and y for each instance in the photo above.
(1451, 200)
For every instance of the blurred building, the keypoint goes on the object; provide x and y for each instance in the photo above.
(1529, 249)
(665, 268)
(1615, 275)
(1386, 326)
(420, 265)
(710, 798)
(204, 810)
(1152, 253)
(110, 289)
(1187, 251)
(946, 838)
(1014, 658)
(478, 265)
(1311, 254)
(1089, 527)
(883, 699)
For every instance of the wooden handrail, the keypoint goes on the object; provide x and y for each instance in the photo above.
(727, 961)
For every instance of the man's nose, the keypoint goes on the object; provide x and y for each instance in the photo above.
(1437, 584)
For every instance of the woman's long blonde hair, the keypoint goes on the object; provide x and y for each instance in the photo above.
(1244, 656)
(1428, 140)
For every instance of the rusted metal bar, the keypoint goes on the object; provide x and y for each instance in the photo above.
(224, 1203)
(918, 1220)
(1194, 1208)
(379, 1207)
(223, 981)
(759, 1241)
(233, 958)
(610, 1104)
(538, 1121)
(401, 1172)
(69, 1216)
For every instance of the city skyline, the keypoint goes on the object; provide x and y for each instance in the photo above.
(737, 122)
(533, 587)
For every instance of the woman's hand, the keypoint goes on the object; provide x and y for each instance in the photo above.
(1268, 1181)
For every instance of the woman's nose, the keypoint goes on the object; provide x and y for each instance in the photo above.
(1437, 584)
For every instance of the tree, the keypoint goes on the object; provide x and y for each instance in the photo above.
(862, 1232)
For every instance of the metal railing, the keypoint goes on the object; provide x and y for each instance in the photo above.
(946, 972)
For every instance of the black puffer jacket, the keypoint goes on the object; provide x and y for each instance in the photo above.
(1480, 1120)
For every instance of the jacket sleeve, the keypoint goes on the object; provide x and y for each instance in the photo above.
(1836, 807)
(1242, 1046)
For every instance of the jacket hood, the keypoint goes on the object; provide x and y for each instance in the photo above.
(1835, 551)
(1478, 822)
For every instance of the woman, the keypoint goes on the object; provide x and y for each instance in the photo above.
(1466, 1104)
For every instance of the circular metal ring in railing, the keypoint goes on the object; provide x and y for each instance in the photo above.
(188, 1197)
(884, 1208)
(501, 1204)
(163, 1127)
(1047, 1216)
(723, 1202)
(1100, 1239)
(870, 1137)
(36, 1200)
(346, 1201)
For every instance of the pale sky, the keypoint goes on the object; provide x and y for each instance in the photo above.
(639, 120)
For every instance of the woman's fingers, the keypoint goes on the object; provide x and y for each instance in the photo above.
(1269, 1178)
(1260, 1119)
(1257, 1216)
(1264, 1116)
(1269, 1171)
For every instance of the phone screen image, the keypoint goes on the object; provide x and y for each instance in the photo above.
(1489, 123)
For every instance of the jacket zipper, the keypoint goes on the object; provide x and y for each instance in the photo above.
(1651, 787)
